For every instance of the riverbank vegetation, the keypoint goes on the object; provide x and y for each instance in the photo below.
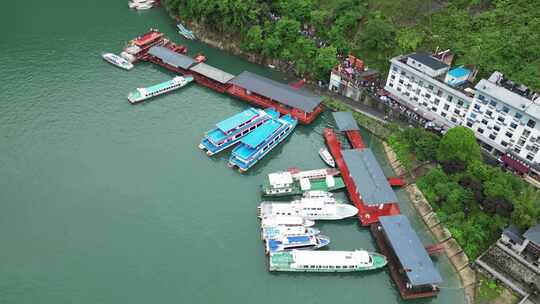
(474, 200)
(308, 34)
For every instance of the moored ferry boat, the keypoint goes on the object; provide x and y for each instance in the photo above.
(326, 261)
(261, 141)
(327, 157)
(297, 187)
(300, 242)
(271, 221)
(309, 208)
(279, 231)
(117, 61)
(142, 94)
(231, 130)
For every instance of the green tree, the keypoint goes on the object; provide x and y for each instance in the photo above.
(459, 144)
(526, 208)
(254, 39)
(325, 61)
(409, 39)
(378, 33)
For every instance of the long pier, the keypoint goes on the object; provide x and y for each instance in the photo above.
(263, 92)
(369, 214)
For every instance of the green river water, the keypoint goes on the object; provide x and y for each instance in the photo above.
(105, 202)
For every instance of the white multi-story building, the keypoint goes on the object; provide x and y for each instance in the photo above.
(429, 87)
(504, 116)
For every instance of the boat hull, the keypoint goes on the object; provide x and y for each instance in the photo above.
(379, 262)
(244, 166)
(296, 190)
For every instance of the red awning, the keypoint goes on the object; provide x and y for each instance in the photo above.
(516, 164)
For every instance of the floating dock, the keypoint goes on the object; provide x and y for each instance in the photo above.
(368, 188)
(255, 89)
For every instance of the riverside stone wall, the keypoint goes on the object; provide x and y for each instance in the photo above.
(455, 253)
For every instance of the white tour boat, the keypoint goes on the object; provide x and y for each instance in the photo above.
(117, 61)
(270, 221)
(144, 93)
(326, 261)
(327, 157)
(309, 208)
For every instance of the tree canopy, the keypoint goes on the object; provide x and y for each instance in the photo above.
(494, 35)
(459, 144)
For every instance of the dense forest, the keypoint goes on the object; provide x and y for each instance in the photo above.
(473, 199)
(499, 35)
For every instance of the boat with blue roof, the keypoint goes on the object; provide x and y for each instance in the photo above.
(279, 231)
(261, 141)
(142, 94)
(299, 242)
(231, 130)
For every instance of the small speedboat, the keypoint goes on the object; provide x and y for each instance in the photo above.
(140, 3)
(182, 30)
(327, 157)
(299, 242)
(117, 61)
(144, 6)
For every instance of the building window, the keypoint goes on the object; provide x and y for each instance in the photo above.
(480, 130)
(517, 150)
(434, 109)
(492, 136)
(469, 124)
(401, 81)
(443, 114)
(460, 102)
(477, 107)
(453, 119)
(531, 123)
(398, 89)
(446, 106)
(457, 111)
(530, 157)
(488, 113)
(436, 101)
(420, 82)
(504, 144)
(497, 128)
(473, 115)
(402, 73)
(449, 98)
(518, 115)
(508, 134)
(484, 121)
(505, 109)
(428, 96)
(526, 133)
(492, 103)
(394, 69)
(521, 142)
(430, 87)
(393, 76)
(513, 125)
(501, 119)
(439, 93)
(481, 97)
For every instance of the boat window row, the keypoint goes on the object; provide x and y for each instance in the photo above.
(275, 139)
(327, 266)
(162, 90)
(244, 124)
